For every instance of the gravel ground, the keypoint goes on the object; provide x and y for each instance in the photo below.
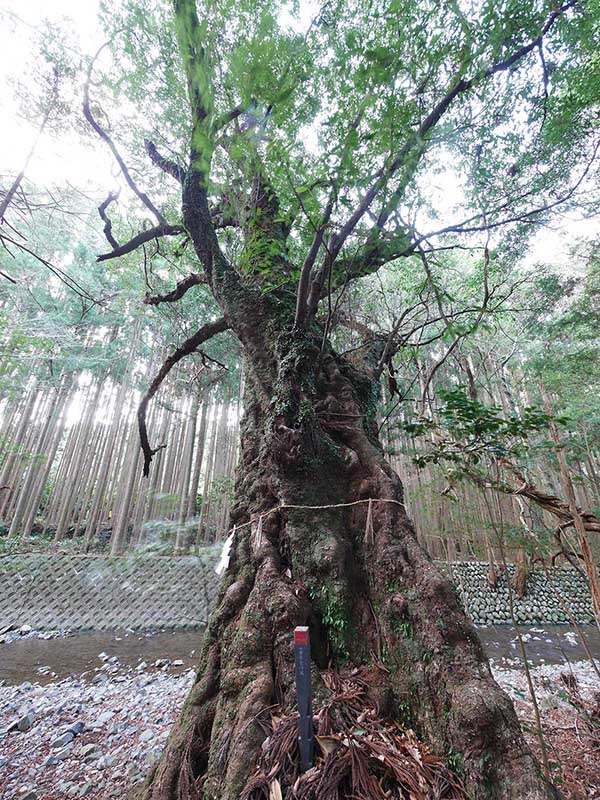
(568, 697)
(90, 736)
(96, 734)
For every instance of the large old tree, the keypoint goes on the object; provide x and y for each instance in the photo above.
(307, 159)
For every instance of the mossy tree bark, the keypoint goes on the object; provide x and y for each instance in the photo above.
(365, 587)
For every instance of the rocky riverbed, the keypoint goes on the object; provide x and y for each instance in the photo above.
(96, 733)
(87, 736)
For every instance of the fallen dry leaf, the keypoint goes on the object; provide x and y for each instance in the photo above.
(327, 743)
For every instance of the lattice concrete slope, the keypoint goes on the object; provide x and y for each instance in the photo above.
(92, 592)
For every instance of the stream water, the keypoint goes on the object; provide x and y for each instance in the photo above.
(47, 660)
(545, 644)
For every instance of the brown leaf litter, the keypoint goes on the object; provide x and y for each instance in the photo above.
(358, 754)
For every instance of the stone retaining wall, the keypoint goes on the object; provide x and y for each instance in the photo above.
(488, 606)
(99, 593)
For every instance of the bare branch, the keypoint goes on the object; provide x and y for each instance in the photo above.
(375, 254)
(106, 138)
(17, 181)
(195, 279)
(141, 238)
(70, 282)
(548, 502)
(390, 349)
(525, 216)
(11, 280)
(202, 335)
(107, 223)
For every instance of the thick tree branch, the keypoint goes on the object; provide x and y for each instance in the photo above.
(170, 167)
(308, 291)
(195, 279)
(141, 238)
(410, 153)
(192, 51)
(230, 116)
(202, 335)
(302, 297)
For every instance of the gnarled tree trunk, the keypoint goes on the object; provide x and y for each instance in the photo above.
(360, 581)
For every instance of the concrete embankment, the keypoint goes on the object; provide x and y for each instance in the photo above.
(552, 598)
(78, 593)
(98, 593)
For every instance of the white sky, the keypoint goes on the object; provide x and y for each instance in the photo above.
(57, 158)
(64, 157)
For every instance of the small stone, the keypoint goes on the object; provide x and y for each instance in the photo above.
(549, 703)
(178, 662)
(86, 789)
(49, 761)
(105, 717)
(105, 761)
(64, 753)
(62, 740)
(25, 629)
(25, 793)
(88, 749)
(133, 770)
(76, 728)
(146, 736)
(100, 678)
(142, 665)
(26, 722)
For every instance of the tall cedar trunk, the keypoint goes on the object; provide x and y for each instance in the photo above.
(309, 438)
(182, 539)
(35, 466)
(193, 494)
